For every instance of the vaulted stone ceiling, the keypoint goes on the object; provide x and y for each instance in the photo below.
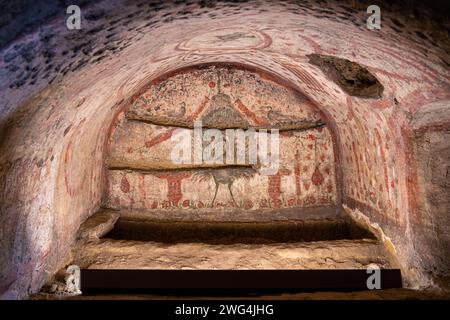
(62, 89)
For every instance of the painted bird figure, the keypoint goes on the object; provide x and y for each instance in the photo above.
(225, 176)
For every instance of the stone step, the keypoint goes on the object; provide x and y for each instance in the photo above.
(228, 227)
(127, 254)
(108, 240)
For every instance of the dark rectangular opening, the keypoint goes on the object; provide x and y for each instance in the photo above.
(231, 281)
(263, 232)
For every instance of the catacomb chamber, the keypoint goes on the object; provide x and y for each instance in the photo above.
(164, 207)
(90, 120)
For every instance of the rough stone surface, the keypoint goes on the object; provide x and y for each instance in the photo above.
(431, 151)
(351, 77)
(97, 225)
(123, 254)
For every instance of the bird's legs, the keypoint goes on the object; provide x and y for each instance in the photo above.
(215, 194)
(231, 192)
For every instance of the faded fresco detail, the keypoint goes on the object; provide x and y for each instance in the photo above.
(143, 176)
(223, 97)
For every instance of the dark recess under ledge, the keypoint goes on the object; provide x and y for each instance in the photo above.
(237, 232)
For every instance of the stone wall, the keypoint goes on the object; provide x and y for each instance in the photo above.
(430, 187)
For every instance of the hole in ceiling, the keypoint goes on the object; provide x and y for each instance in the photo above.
(353, 78)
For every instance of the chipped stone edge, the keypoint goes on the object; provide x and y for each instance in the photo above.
(412, 280)
(98, 230)
(363, 220)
